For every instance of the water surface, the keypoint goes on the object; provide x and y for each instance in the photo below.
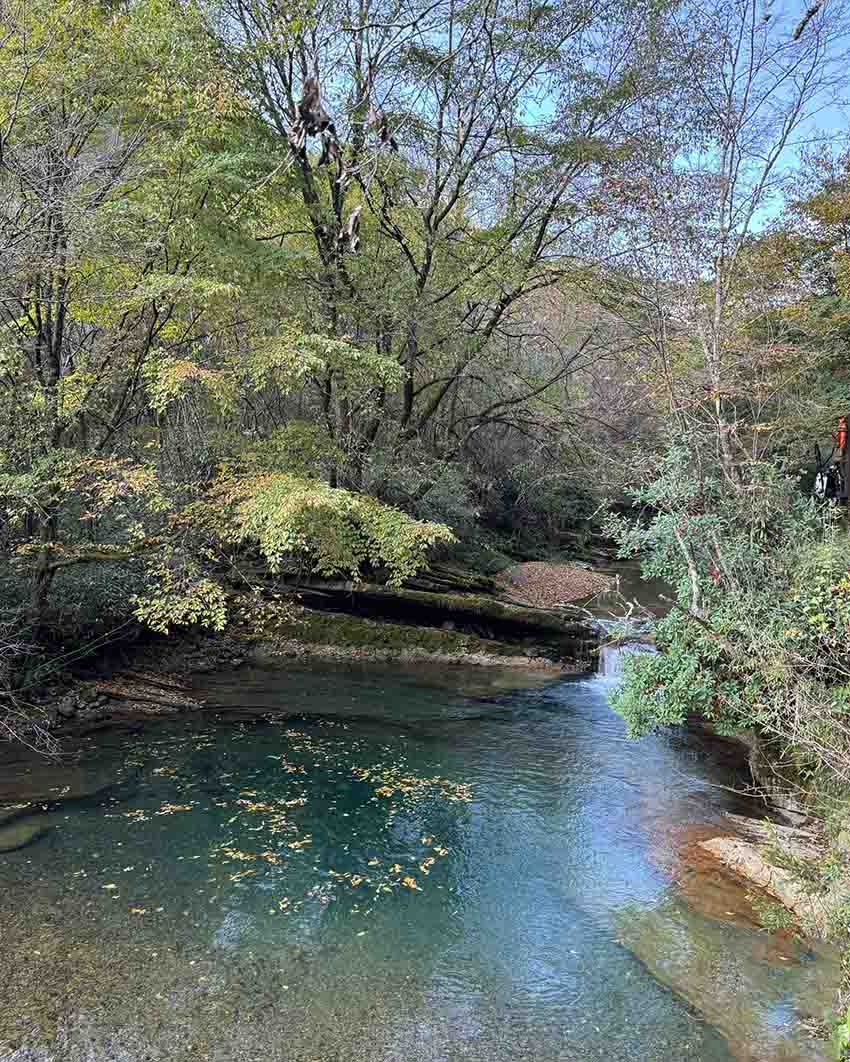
(402, 868)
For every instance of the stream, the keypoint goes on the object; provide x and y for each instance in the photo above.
(414, 865)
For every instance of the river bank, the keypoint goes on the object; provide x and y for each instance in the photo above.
(164, 678)
(449, 619)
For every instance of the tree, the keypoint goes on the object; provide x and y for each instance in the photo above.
(702, 285)
(93, 276)
(738, 317)
(447, 159)
(121, 302)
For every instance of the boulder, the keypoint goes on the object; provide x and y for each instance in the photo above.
(66, 707)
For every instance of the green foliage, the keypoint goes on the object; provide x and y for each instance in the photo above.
(333, 531)
(664, 689)
(772, 915)
(218, 354)
(300, 448)
(841, 1037)
(428, 489)
(544, 509)
(181, 599)
(758, 635)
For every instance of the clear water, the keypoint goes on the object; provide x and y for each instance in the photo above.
(400, 870)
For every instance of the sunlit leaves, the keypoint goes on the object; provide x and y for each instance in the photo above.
(170, 378)
(336, 530)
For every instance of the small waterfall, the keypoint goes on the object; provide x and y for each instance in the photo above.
(612, 657)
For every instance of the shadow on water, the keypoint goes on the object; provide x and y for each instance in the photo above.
(405, 866)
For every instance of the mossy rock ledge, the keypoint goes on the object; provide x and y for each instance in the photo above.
(343, 635)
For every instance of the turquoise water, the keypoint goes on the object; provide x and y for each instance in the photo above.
(396, 870)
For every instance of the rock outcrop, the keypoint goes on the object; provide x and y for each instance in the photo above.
(767, 854)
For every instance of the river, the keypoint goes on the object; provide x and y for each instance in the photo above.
(409, 865)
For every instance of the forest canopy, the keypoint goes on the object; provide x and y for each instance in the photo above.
(342, 287)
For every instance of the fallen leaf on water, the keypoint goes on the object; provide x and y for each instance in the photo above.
(169, 809)
(241, 874)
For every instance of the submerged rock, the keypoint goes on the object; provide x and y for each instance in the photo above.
(20, 833)
(690, 954)
(37, 781)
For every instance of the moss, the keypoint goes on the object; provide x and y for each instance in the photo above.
(465, 606)
(336, 629)
(283, 628)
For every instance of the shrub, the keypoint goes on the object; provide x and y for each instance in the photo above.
(759, 627)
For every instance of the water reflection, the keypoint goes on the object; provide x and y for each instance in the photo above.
(398, 869)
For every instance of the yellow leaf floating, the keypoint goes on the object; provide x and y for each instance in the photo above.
(300, 844)
(410, 883)
(241, 874)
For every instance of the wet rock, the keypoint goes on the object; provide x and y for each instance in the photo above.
(20, 833)
(749, 856)
(779, 788)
